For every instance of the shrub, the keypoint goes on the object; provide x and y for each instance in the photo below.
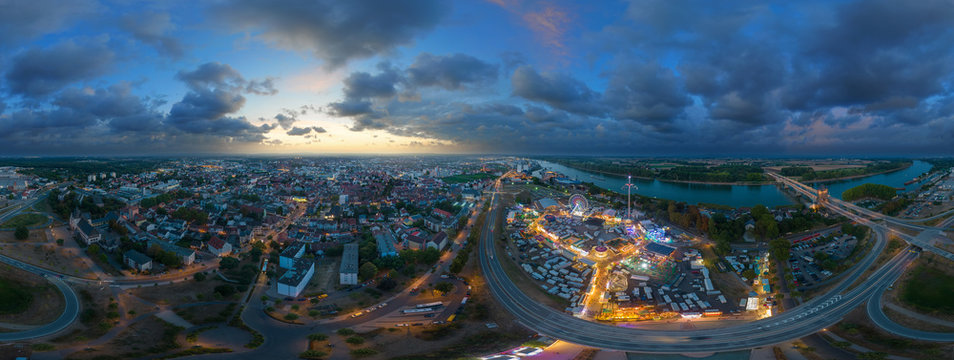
(42, 347)
(291, 317)
(313, 354)
(363, 352)
(345, 332)
(225, 290)
(355, 340)
(317, 337)
(21, 233)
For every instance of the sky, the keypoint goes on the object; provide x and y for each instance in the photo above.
(630, 78)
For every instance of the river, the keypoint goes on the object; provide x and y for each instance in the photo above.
(732, 195)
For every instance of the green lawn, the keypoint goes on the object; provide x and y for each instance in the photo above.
(27, 220)
(14, 297)
(929, 290)
(467, 178)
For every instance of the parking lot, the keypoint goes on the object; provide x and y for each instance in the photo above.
(813, 260)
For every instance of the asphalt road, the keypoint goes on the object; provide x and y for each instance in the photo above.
(876, 314)
(23, 206)
(800, 321)
(287, 341)
(70, 311)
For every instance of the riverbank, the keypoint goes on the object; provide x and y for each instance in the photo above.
(857, 176)
(742, 183)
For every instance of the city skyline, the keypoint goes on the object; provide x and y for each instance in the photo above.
(847, 78)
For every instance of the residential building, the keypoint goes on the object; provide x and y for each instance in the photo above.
(294, 251)
(294, 281)
(219, 247)
(137, 260)
(438, 241)
(385, 243)
(348, 275)
(88, 233)
(187, 255)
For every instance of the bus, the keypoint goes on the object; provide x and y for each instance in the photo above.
(451, 318)
(417, 310)
(428, 305)
(265, 265)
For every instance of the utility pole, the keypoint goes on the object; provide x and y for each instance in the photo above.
(629, 188)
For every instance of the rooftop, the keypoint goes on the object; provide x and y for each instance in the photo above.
(137, 257)
(349, 259)
(297, 273)
(660, 249)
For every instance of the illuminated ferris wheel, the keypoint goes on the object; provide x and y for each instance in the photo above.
(578, 204)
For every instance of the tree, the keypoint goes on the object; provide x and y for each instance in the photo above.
(429, 256)
(749, 274)
(21, 233)
(444, 287)
(199, 276)
(389, 262)
(409, 256)
(780, 249)
(387, 284)
(228, 262)
(225, 290)
(256, 252)
(367, 271)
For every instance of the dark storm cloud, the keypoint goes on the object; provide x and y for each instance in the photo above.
(110, 119)
(261, 87)
(733, 76)
(297, 131)
(38, 72)
(216, 94)
(335, 31)
(645, 93)
(350, 108)
(875, 50)
(115, 106)
(369, 122)
(286, 120)
(212, 74)
(153, 29)
(449, 72)
(363, 90)
(361, 85)
(21, 21)
(557, 90)
(204, 105)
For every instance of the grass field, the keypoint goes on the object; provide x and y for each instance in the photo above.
(26, 298)
(467, 178)
(929, 290)
(27, 220)
(14, 297)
